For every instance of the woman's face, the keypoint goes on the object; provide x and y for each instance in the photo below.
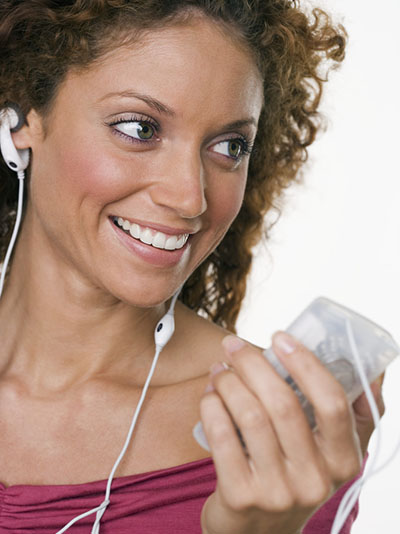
(153, 138)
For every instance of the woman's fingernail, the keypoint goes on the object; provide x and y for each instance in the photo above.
(218, 368)
(233, 343)
(284, 342)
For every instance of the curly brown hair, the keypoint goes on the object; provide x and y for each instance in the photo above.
(40, 40)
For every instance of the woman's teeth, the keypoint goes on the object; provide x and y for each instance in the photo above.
(151, 237)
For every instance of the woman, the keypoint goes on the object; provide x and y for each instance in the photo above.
(140, 118)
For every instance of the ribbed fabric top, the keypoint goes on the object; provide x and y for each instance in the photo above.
(158, 502)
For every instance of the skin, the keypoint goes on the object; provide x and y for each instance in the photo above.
(84, 307)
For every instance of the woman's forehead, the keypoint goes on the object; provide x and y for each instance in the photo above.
(196, 61)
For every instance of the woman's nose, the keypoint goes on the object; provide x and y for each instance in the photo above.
(181, 184)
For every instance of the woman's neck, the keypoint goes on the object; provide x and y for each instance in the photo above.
(57, 329)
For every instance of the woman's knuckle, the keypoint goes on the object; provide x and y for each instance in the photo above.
(286, 407)
(219, 434)
(241, 503)
(335, 407)
(240, 497)
(252, 417)
(351, 468)
(282, 501)
(319, 493)
(346, 467)
(314, 485)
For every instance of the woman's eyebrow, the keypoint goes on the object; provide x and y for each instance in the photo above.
(162, 108)
(240, 123)
(149, 100)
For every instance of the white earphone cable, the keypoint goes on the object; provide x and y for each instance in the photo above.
(21, 176)
(102, 507)
(96, 526)
(352, 494)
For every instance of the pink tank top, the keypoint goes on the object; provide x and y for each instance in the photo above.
(167, 501)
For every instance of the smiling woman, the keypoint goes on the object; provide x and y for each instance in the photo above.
(160, 134)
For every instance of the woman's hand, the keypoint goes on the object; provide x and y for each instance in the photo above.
(287, 471)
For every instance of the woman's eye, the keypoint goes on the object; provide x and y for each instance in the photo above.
(140, 130)
(232, 148)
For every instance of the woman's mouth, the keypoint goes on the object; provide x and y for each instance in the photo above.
(151, 237)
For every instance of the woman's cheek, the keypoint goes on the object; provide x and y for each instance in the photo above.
(229, 200)
(92, 172)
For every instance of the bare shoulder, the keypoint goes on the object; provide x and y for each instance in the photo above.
(201, 339)
(202, 332)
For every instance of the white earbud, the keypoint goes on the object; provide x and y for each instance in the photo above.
(11, 120)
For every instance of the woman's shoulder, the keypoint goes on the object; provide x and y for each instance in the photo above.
(200, 340)
(201, 337)
(199, 324)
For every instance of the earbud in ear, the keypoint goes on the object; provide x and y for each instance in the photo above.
(11, 120)
(15, 115)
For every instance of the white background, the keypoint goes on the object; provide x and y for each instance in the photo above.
(339, 233)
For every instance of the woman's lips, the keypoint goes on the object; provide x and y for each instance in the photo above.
(151, 236)
(155, 256)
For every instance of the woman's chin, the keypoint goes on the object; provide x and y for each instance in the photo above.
(141, 293)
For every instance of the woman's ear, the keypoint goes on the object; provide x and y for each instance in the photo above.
(31, 132)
